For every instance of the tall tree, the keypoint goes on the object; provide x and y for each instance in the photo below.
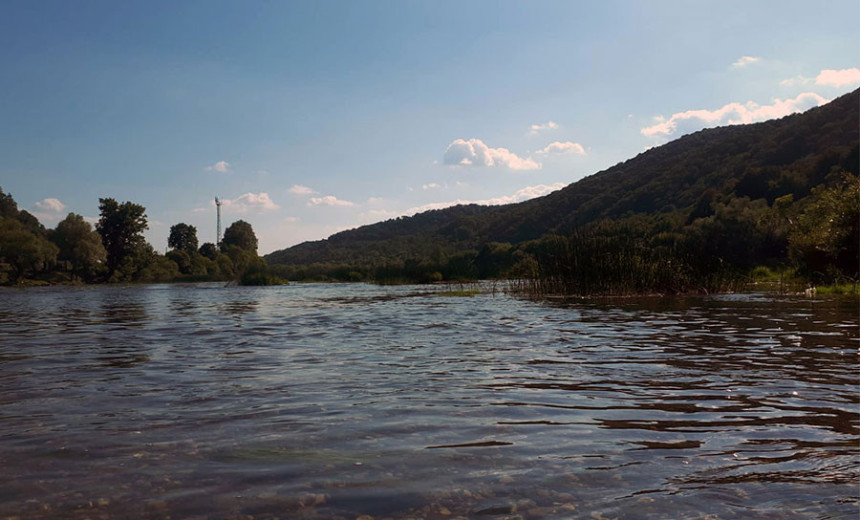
(241, 235)
(183, 237)
(121, 227)
(80, 246)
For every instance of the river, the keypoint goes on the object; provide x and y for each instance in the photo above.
(337, 401)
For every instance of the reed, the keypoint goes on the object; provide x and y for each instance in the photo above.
(589, 263)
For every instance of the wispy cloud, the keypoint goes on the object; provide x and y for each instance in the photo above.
(298, 189)
(529, 192)
(562, 148)
(430, 186)
(796, 81)
(220, 166)
(474, 152)
(682, 123)
(838, 78)
(549, 125)
(250, 202)
(745, 61)
(329, 200)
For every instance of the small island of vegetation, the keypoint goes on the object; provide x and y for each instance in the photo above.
(115, 251)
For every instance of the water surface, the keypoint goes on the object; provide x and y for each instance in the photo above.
(334, 401)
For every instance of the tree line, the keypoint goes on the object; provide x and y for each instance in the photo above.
(721, 243)
(115, 250)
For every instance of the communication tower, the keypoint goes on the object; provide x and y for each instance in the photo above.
(218, 235)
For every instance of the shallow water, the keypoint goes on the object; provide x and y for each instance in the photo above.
(327, 401)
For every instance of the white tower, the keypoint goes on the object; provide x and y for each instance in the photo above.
(218, 233)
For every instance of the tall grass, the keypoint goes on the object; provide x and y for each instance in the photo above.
(587, 264)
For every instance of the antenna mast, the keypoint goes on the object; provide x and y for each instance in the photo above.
(218, 235)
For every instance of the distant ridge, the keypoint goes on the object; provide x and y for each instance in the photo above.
(764, 160)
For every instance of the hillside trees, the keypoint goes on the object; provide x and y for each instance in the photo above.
(825, 241)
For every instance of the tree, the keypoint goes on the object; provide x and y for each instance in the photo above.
(24, 252)
(121, 227)
(183, 238)
(241, 235)
(80, 246)
(826, 240)
(209, 250)
(8, 206)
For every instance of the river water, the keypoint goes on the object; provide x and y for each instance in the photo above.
(335, 401)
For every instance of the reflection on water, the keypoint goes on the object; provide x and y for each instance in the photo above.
(320, 401)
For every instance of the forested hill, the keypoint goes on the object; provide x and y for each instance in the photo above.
(679, 181)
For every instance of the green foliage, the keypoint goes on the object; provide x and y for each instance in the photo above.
(158, 269)
(824, 242)
(80, 247)
(121, 227)
(182, 259)
(241, 235)
(117, 251)
(845, 288)
(209, 250)
(23, 253)
(257, 273)
(8, 206)
(183, 237)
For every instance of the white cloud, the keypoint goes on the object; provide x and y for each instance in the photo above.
(50, 206)
(529, 192)
(329, 200)
(475, 153)
(430, 186)
(838, 78)
(549, 125)
(559, 148)
(250, 202)
(220, 166)
(298, 189)
(744, 61)
(826, 78)
(48, 210)
(380, 214)
(292, 220)
(796, 81)
(731, 114)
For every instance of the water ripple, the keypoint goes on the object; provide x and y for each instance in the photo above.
(341, 400)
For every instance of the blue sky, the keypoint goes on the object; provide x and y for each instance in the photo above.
(308, 118)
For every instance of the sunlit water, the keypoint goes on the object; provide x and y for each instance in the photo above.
(334, 401)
